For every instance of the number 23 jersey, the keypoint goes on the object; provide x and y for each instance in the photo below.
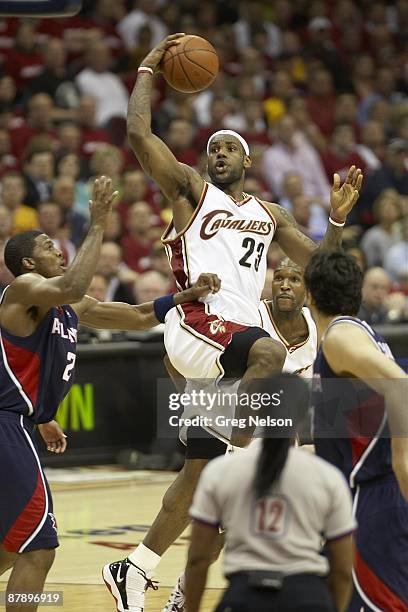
(36, 371)
(228, 238)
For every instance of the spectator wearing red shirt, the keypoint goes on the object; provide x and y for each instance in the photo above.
(104, 17)
(7, 161)
(8, 92)
(23, 61)
(372, 144)
(255, 129)
(135, 188)
(93, 137)
(180, 138)
(138, 243)
(345, 110)
(321, 99)
(108, 161)
(69, 137)
(341, 152)
(39, 121)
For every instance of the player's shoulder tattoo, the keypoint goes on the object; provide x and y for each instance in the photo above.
(282, 216)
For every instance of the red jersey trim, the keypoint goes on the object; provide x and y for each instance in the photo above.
(25, 365)
(375, 590)
(196, 320)
(165, 239)
(266, 209)
(27, 521)
(243, 201)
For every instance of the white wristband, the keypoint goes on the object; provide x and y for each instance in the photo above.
(336, 223)
(145, 69)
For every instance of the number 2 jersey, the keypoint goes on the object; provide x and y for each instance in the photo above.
(36, 371)
(350, 424)
(228, 238)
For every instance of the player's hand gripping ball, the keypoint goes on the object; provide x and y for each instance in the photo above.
(190, 66)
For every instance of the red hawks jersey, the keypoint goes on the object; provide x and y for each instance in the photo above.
(228, 238)
(299, 357)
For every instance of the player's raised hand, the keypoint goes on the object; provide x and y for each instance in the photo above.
(153, 59)
(102, 200)
(343, 197)
(53, 436)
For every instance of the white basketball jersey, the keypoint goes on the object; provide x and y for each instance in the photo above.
(230, 239)
(299, 357)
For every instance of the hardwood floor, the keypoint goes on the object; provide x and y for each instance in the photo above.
(101, 516)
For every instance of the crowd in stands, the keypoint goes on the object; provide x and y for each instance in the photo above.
(313, 86)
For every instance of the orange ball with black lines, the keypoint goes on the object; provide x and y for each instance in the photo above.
(190, 66)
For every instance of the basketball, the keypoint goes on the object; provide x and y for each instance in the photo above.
(190, 66)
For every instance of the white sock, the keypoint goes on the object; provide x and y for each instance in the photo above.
(144, 558)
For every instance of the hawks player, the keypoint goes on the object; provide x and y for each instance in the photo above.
(213, 223)
(286, 319)
(361, 426)
(39, 313)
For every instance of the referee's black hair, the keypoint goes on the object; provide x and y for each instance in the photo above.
(334, 281)
(294, 403)
(20, 246)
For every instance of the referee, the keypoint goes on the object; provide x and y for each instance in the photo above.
(276, 503)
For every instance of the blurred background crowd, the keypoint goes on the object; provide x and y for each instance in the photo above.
(313, 86)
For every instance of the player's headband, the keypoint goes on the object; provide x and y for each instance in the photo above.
(229, 133)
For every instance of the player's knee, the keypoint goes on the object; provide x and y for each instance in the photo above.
(267, 354)
(40, 560)
(7, 560)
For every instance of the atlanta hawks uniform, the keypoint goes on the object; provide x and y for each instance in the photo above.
(36, 373)
(350, 431)
(299, 357)
(231, 239)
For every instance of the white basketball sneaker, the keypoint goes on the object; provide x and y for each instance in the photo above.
(177, 599)
(128, 584)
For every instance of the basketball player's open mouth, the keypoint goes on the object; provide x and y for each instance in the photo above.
(220, 166)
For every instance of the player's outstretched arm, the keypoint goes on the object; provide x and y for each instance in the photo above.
(382, 374)
(299, 247)
(116, 315)
(174, 179)
(32, 289)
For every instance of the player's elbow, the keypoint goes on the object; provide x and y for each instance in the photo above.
(72, 292)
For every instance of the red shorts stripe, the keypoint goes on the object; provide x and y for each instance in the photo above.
(375, 589)
(211, 326)
(28, 520)
(25, 366)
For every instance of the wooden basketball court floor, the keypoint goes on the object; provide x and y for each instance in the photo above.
(102, 514)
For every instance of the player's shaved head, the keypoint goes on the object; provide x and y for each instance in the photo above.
(288, 263)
